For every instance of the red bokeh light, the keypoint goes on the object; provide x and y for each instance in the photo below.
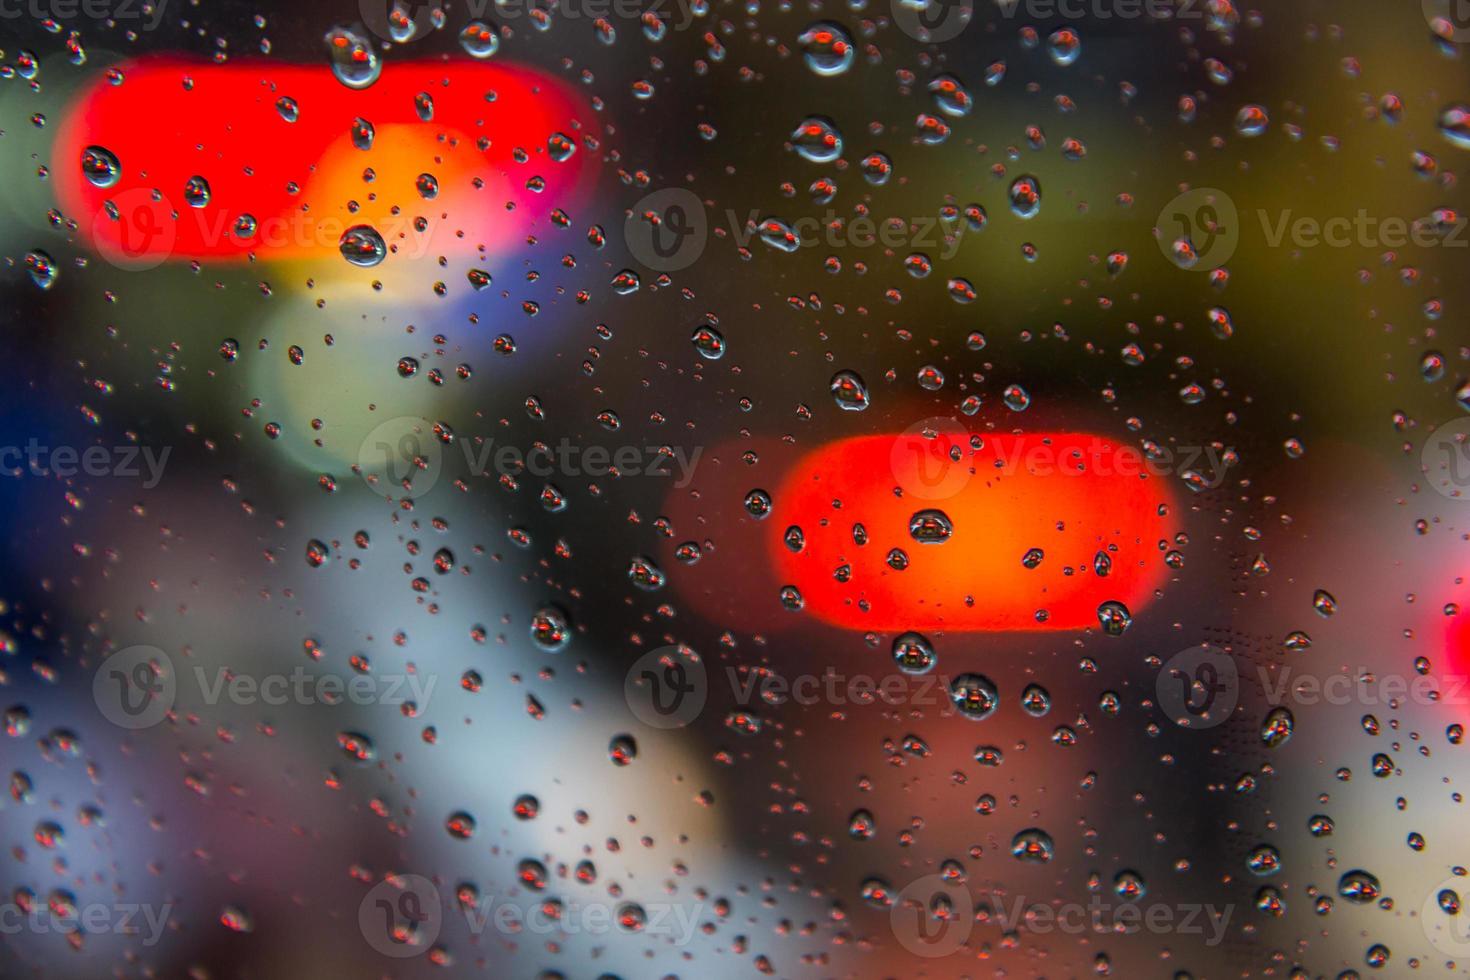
(303, 181)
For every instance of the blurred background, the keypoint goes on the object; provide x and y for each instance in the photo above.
(354, 348)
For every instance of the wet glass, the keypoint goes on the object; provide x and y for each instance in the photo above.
(629, 489)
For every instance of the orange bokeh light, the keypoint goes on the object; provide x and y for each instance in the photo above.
(1073, 496)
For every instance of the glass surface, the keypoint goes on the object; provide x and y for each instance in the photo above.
(626, 489)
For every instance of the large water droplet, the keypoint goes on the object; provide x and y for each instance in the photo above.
(363, 246)
(817, 139)
(479, 40)
(826, 48)
(100, 166)
(352, 58)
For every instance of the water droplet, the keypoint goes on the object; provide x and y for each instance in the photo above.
(42, 268)
(643, 573)
(1454, 124)
(1251, 120)
(1359, 887)
(930, 526)
(817, 139)
(622, 749)
(100, 166)
(461, 825)
(913, 653)
(1064, 46)
(951, 96)
(479, 40)
(1016, 398)
(1025, 196)
(849, 391)
(550, 629)
(1277, 727)
(362, 246)
(1033, 845)
(352, 58)
(196, 192)
(363, 133)
(974, 695)
(827, 48)
(1114, 617)
(709, 342)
